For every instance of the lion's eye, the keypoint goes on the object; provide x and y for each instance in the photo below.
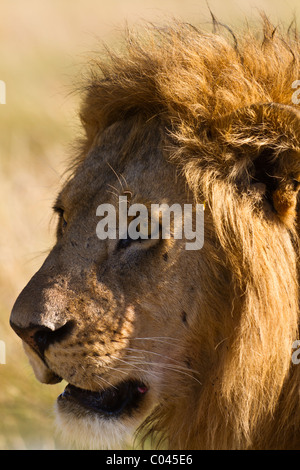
(141, 235)
(64, 223)
(62, 217)
(125, 242)
(145, 230)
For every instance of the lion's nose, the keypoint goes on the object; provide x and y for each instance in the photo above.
(40, 313)
(39, 338)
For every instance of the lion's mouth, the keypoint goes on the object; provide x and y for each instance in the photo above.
(111, 402)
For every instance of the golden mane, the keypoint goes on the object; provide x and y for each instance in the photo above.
(191, 81)
(189, 77)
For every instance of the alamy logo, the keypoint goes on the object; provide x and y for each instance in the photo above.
(161, 221)
(2, 92)
(296, 354)
(2, 352)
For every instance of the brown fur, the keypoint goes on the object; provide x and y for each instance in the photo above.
(221, 110)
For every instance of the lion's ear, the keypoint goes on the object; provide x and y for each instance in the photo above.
(262, 146)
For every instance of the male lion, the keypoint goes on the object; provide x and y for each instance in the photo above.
(191, 346)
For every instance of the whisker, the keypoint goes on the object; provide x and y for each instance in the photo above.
(113, 187)
(159, 338)
(124, 179)
(133, 364)
(152, 352)
(172, 368)
(123, 371)
(163, 340)
(105, 366)
(106, 381)
(164, 357)
(114, 194)
(120, 182)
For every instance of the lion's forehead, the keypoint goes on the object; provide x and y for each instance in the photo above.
(101, 179)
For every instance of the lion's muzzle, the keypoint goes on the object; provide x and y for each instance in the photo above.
(38, 319)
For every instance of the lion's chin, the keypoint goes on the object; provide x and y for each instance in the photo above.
(102, 420)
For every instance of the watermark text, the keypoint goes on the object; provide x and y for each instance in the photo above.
(138, 221)
(2, 352)
(2, 92)
(296, 94)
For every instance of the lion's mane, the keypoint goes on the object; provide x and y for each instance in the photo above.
(190, 79)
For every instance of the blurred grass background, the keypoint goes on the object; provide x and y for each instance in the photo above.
(43, 46)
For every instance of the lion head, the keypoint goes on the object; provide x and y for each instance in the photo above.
(193, 346)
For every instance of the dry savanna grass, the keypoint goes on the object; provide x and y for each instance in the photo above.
(43, 46)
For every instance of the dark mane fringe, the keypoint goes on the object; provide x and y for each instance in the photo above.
(186, 78)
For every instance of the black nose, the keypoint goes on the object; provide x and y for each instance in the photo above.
(39, 337)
